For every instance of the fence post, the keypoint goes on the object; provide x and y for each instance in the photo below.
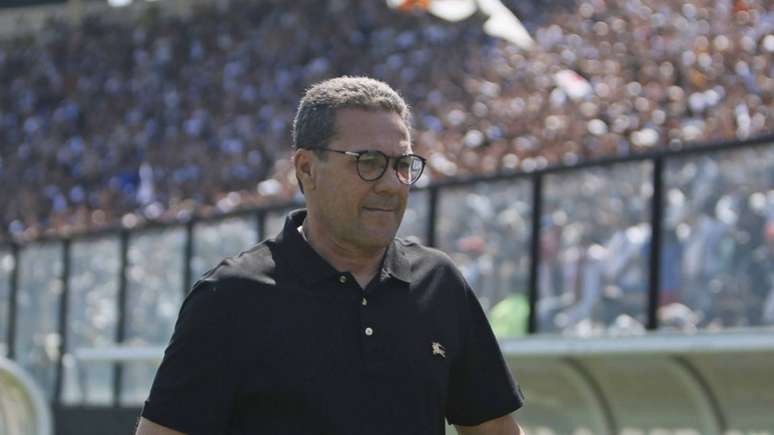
(121, 311)
(13, 299)
(534, 252)
(432, 216)
(656, 217)
(64, 303)
(188, 252)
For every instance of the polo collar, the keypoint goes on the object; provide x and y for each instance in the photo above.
(305, 263)
(311, 268)
(396, 264)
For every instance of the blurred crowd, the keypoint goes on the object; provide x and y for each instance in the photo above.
(717, 255)
(120, 121)
(115, 121)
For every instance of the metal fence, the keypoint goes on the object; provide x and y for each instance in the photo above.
(674, 239)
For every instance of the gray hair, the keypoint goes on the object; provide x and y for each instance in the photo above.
(315, 122)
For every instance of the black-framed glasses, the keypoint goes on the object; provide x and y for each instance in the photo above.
(372, 164)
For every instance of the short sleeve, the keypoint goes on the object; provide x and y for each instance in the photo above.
(481, 387)
(195, 385)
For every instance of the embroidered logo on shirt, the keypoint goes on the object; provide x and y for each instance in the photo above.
(438, 349)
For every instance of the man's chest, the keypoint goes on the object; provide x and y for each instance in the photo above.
(377, 356)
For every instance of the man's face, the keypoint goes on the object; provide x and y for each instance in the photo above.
(357, 213)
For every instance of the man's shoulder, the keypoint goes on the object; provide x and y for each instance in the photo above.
(412, 247)
(256, 266)
(242, 285)
(424, 258)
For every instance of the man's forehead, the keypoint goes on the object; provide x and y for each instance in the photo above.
(372, 127)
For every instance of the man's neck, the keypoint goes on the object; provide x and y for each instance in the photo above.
(362, 264)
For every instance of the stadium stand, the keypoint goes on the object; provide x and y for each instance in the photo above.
(113, 123)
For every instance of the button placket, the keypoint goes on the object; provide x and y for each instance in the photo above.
(371, 337)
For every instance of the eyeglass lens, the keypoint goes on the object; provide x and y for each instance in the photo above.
(372, 164)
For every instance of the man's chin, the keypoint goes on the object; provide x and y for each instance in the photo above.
(379, 237)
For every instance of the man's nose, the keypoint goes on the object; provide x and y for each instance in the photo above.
(389, 182)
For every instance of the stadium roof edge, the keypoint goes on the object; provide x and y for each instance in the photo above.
(19, 21)
(743, 340)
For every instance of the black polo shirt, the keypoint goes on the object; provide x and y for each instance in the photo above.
(276, 341)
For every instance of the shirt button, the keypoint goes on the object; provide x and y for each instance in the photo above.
(364, 302)
(369, 332)
(343, 279)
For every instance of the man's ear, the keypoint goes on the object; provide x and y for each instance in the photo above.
(304, 163)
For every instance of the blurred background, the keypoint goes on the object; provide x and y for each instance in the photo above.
(602, 171)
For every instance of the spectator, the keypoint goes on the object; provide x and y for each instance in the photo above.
(198, 101)
(156, 118)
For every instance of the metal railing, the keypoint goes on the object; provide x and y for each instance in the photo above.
(432, 194)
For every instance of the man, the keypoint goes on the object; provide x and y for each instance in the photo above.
(335, 326)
